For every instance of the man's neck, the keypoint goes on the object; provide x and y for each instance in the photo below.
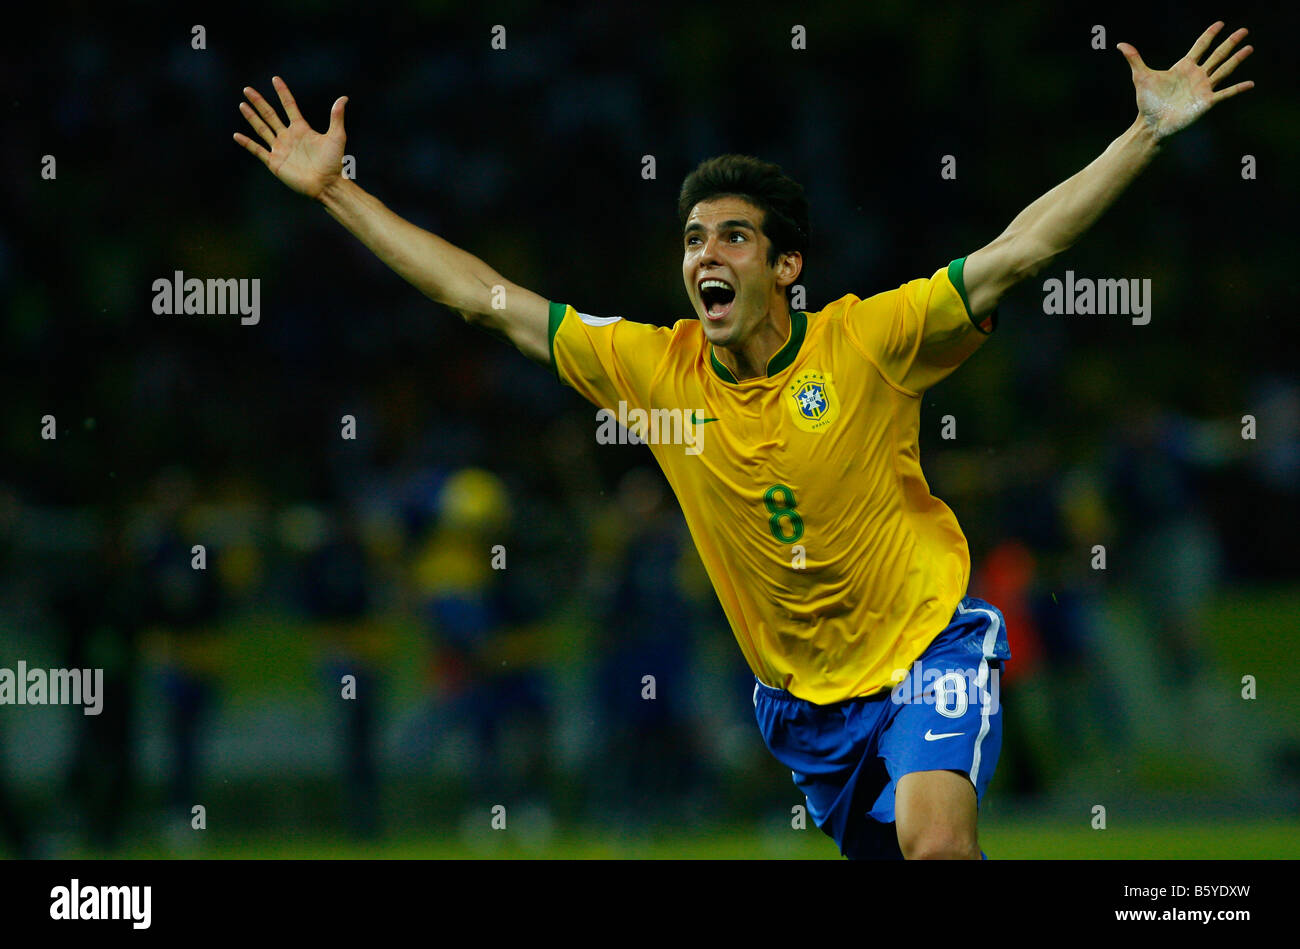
(749, 360)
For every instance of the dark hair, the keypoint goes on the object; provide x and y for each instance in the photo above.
(762, 184)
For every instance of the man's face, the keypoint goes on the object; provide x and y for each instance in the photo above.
(724, 264)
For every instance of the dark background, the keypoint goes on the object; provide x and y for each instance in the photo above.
(368, 557)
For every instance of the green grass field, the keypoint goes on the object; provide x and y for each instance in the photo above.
(1249, 632)
(1268, 840)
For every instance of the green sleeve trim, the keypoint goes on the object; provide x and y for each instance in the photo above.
(959, 281)
(553, 320)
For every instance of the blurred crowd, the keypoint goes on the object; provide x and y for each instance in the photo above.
(540, 614)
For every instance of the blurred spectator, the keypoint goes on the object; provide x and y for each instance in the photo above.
(183, 604)
(97, 608)
(648, 762)
(336, 599)
(488, 659)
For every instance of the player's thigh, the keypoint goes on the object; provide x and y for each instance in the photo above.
(936, 814)
(941, 749)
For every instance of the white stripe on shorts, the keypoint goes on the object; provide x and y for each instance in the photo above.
(986, 700)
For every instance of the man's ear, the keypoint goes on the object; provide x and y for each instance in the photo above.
(788, 268)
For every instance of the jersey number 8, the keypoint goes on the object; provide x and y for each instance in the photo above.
(780, 503)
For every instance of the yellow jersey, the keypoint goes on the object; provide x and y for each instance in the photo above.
(802, 489)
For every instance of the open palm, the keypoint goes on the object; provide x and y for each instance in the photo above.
(302, 158)
(1172, 99)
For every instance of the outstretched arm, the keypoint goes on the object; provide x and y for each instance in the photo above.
(312, 164)
(1168, 102)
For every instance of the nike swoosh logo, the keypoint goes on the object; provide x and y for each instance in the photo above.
(930, 736)
(696, 420)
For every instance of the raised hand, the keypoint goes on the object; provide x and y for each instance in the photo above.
(1170, 100)
(303, 159)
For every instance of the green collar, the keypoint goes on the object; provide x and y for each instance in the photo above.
(780, 360)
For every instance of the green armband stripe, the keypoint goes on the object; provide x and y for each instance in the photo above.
(553, 320)
(955, 275)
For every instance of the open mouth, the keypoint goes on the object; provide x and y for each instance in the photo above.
(717, 297)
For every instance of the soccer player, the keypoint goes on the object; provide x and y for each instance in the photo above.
(794, 449)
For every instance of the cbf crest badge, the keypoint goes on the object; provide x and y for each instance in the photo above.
(812, 400)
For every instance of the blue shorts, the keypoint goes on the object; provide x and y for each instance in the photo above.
(944, 715)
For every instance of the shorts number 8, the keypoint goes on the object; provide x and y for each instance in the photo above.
(950, 699)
